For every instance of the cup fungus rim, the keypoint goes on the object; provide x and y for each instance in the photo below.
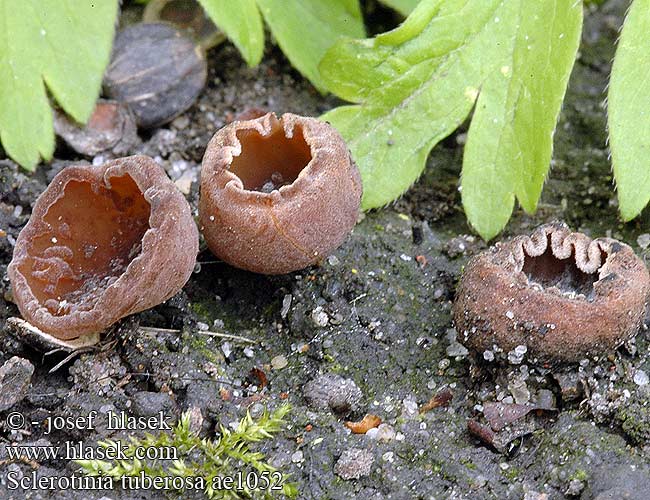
(591, 256)
(220, 154)
(498, 304)
(155, 188)
(85, 171)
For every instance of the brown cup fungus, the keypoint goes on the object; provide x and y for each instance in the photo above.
(277, 195)
(102, 242)
(555, 296)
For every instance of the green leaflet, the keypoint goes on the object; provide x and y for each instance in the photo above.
(419, 82)
(305, 29)
(404, 7)
(629, 117)
(242, 23)
(64, 44)
(510, 140)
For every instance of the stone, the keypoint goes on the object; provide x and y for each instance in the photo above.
(641, 378)
(15, 377)
(333, 392)
(354, 463)
(618, 482)
(149, 404)
(279, 362)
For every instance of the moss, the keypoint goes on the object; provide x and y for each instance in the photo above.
(202, 311)
(511, 473)
(440, 469)
(328, 358)
(635, 421)
(336, 368)
(208, 459)
(199, 344)
(468, 463)
(580, 475)
(562, 454)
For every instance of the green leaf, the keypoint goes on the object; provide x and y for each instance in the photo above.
(404, 7)
(419, 82)
(510, 140)
(305, 29)
(64, 44)
(242, 23)
(629, 117)
(416, 84)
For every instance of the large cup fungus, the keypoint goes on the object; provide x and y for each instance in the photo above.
(102, 242)
(560, 294)
(277, 194)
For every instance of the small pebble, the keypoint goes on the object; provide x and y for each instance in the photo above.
(279, 362)
(226, 348)
(333, 260)
(641, 378)
(180, 123)
(519, 391)
(455, 349)
(385, 432)
(319, 317)
(643, 240)
(410, 407)
(354, 463)
(286, 305)
(372, 433)
(335, 393)
(184, 182)
(516, 356)
(15, 377)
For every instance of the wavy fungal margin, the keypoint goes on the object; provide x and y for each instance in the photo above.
(103, 242)
(559, 293)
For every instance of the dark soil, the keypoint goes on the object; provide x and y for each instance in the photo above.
(367, 331)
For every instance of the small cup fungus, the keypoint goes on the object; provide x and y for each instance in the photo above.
(277, 195)
(102, 242)
(559, 294)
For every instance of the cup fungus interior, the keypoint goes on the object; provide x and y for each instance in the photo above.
(548, 271)
(94, 232)
(268, 162)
